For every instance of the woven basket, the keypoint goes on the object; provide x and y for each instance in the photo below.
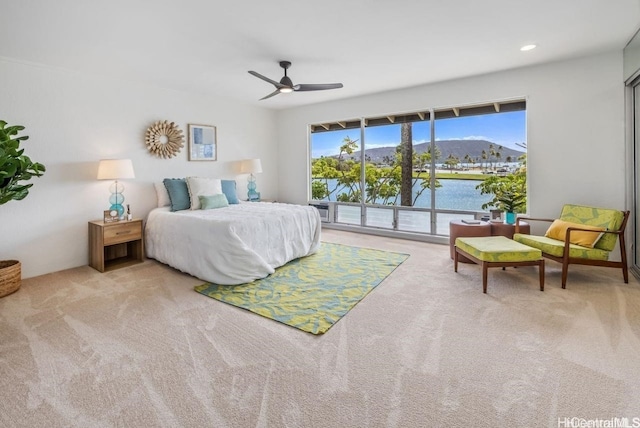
(10, 276)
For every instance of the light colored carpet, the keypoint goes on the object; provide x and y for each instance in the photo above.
(312, 293)
(137, 347)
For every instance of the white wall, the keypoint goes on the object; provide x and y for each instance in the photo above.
(575, 128)
(73, 120)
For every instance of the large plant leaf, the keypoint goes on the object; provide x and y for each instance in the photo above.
(15, 167)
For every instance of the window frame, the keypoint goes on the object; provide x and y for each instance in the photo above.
(431, 115)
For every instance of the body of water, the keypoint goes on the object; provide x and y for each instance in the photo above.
(454, 195)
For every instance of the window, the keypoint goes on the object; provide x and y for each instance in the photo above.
(421, 169)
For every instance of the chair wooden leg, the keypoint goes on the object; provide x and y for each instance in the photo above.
(541, 271)
(485, 268)
(565, 269)
(623, 259)
(455, 259)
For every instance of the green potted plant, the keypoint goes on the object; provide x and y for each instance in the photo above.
(509, 194)
(15, 168)
(511, 202)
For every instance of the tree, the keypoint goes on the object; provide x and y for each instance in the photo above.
(509, 191)
(406, 156)
(467, 159)
(451, 161)
(383, 184)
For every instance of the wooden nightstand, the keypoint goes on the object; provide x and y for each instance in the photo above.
(115, 245)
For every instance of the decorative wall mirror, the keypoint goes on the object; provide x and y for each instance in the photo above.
(164, 139)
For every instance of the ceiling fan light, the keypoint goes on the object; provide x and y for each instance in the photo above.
(286, 90)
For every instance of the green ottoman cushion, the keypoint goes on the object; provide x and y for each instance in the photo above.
(498, 249)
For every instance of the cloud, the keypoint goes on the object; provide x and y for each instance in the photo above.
(469, 137)
(375, 146)
(325, 152)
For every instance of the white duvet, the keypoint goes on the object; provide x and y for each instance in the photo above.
(235, 244)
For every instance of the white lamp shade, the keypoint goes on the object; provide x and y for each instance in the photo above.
(251, 166)
(114, 169)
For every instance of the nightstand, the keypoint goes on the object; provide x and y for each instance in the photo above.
(115, 245)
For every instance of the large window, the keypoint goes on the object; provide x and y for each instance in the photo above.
(415, 172)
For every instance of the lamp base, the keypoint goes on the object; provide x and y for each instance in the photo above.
(117, 198)
(119, 208)
(252, 195)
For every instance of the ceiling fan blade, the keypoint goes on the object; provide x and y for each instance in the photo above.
(276, 92)
(285, 84)
(317, 87)
(266, 79)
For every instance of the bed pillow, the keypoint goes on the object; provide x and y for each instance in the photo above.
(202, 187)
(558, 230)
(229, 190)
(162, 194)
(213, 201)
(178, 193)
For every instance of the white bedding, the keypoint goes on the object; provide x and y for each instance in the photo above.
(235, 244)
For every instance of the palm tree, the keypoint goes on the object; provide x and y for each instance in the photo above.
(467, 158)
(492, 153)
(406, 157)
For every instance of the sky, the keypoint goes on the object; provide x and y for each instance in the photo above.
(504, 129)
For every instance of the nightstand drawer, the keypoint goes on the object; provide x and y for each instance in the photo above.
(117, 233)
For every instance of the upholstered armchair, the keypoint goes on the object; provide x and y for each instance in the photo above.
(581, 235)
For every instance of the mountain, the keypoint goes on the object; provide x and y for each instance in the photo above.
(457, 148)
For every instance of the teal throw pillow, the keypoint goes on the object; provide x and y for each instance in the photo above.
(213, 201)
(178, 193)
(229, 190)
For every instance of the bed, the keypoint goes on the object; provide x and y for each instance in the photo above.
(235, 244)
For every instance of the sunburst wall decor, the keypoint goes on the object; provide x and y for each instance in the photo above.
(164, 139)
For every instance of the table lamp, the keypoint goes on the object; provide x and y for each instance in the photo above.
(115, 169)
(251, 166)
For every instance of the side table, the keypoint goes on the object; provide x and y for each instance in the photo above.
(458, 229)
(507, 230)
(115, 245)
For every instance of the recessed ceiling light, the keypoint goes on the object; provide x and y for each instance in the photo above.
(527, 47)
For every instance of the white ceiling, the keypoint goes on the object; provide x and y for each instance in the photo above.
(207, 47)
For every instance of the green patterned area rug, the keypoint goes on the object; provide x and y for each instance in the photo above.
(314, 292)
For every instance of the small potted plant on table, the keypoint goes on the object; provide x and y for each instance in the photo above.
(509, 194)
(510, 202)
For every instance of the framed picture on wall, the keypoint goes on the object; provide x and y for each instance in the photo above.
(203, 144)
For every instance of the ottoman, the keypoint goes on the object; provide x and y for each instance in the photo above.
(458, 228)
(498, 251)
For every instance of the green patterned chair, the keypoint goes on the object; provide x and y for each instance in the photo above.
(602, 227)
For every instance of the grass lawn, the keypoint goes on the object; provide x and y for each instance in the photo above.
(461, 176)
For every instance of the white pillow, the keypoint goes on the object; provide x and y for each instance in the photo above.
(202, 187)
(162, 195)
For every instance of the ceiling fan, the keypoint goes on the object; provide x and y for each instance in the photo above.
(286, 85)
